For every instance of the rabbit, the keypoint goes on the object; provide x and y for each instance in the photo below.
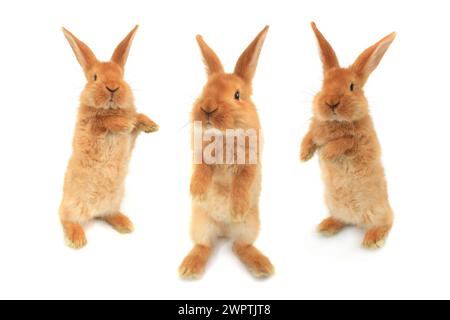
(225, 196)
(343, 135)
(105, 135)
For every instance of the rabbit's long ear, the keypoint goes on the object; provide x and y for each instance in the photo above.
(120, 54)
(246, 65)
(327, 54)
(371, 57)
(84, 55)
(210, 58)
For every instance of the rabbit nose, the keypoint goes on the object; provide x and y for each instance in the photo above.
(208, 111)
(333, 104)
(112, 90)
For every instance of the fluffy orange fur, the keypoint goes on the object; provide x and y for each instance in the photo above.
(226, 197)
(105, 135)
(343, 135)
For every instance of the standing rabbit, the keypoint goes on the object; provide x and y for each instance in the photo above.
(343, 134)
(226, 196)
(105, 135)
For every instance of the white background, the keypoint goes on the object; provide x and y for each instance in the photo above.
(40, 82)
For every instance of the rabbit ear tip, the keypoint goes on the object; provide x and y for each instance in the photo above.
(66, 32)
(314, 27)
(265, 30)
(391, 37)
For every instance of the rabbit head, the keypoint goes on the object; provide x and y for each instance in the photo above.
(106, 87)
(225, 102)
(342, 95)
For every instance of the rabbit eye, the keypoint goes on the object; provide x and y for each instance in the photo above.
(237, 95)
(352, 87)
(95, 77)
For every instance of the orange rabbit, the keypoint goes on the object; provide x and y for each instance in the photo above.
(343, 134)
(105, 135)
(226, 196)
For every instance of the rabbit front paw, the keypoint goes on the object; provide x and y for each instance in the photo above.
(241, 206)
(119, 124)
(145, 124)
(337, 148)
(307, 148)
(330, 152)
(307, 153)
(198, 190)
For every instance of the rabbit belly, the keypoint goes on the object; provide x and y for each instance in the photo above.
(218, 201)
(356, 197)
(212, 217)
(95, 187)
